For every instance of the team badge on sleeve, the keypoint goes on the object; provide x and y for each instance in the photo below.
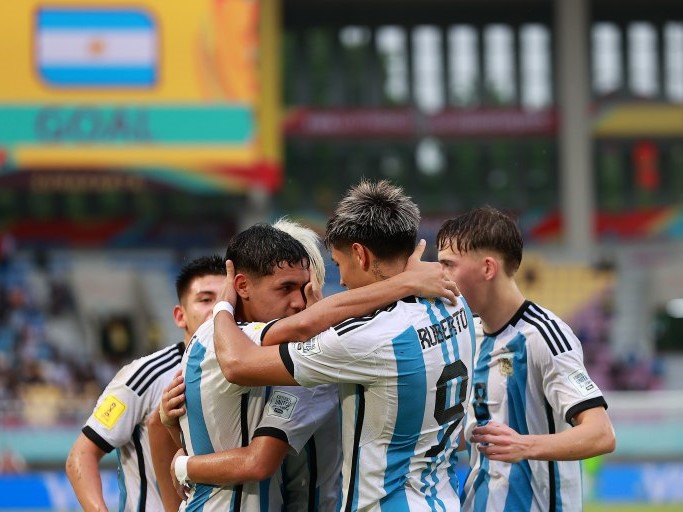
(109, 411)
(308, 348)
(281, 404)
(582, 382)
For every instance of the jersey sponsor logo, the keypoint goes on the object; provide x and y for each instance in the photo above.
(309, 347)
(110, 411)
(281, 404)
(505, 366)
(444, 330)
(582, 382)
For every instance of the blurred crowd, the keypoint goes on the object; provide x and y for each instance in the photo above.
(43, 383)
(40, 382)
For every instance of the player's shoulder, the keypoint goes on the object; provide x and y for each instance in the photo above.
(141, 373)
(543, 327)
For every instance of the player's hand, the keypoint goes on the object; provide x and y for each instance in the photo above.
(227, 292)
(427, 278)
(182, 490)
(500, 442)
(312, 291)
(173, 401)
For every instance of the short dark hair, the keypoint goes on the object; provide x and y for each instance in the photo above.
(258, 250)
(378, 215)
(198, 267)
(484, 228)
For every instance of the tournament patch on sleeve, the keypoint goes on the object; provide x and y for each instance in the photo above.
(309, 347)
(281, 404)
(109, 411)
(582, 382)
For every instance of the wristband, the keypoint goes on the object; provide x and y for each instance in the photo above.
(223, 305)
(180, 470)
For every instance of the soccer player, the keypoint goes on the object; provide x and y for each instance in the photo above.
(300, 427)
(403, 370)
(221, 415)
(535, 412)
(119, 418)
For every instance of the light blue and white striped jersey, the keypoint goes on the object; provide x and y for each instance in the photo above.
(119, 421)
(530, 376)
(308, 420)
(220, 416)
(404, 375)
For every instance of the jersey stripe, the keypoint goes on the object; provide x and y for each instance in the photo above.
(411, 405)
(244, 423)
(543, 332)
(141, 378)
(351, 497)
(553, 330)
(159, 373)
(199, 434)
(354, 323)
(552, 466)
(312, 456)
(142, 503)
(521, 493)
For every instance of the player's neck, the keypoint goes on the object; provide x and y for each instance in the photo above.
(502, 304)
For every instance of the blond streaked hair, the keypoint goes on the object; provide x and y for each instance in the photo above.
(311, 242)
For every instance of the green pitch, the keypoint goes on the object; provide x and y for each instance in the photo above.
(598, 507)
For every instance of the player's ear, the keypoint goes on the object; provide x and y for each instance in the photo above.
(179, 316)
(242, 286)
(491, 267)
(361, 254)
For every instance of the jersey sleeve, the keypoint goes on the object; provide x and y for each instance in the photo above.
(329, 359)
(126, 402)
(293, 413)
(566, 383)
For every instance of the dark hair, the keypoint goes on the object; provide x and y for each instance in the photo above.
(260, 248)
(484, 228)
(377, 215)
(198, 267)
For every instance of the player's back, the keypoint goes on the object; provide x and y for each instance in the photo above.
(119, 422)
(404, 376)
(220, 416)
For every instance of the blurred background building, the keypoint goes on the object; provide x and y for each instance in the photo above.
(136, 134)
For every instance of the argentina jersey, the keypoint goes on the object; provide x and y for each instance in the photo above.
(404, 374)
(119, 422)
(307, 419)
(530, 376)
(220, 416)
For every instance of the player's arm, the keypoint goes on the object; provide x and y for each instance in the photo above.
(247, 364)
(82, 469)
(420, 278)
(592, 435)
(163, 448)
(255, 462)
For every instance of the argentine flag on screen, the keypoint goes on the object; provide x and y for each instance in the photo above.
(100, 48)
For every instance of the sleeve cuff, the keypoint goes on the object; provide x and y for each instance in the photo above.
(287, 358)
(271, 432)
(584, 406)
(103, 445)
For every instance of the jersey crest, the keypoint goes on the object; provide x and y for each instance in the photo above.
(505, 365)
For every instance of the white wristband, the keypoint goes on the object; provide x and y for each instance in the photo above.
(180, 469)
(223, 306)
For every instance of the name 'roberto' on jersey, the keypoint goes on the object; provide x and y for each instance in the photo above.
(444, 330)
